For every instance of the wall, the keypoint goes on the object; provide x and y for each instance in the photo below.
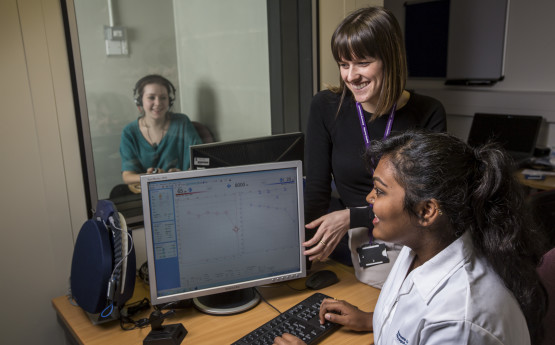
(529, 84)
(224, 65)
(42, 183)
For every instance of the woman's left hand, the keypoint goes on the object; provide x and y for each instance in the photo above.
(331, 228)
(288, 339)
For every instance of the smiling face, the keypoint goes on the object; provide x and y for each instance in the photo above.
(364, 77)
(392, 223)
(156, 102)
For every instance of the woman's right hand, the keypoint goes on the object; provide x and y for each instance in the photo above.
(331, 228)
(345, 314)
(131, 177)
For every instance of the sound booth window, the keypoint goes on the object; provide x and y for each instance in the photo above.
(426, 35)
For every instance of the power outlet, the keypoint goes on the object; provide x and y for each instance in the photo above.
(116, 40)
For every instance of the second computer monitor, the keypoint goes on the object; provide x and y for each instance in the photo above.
(267, 149)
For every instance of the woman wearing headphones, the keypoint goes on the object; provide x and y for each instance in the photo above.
(158, 141)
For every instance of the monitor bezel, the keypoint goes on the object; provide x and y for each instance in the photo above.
(195, 150)
(147, 179)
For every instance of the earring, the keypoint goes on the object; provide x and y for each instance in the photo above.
(439, 211)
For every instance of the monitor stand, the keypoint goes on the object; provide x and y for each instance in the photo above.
(227, 303)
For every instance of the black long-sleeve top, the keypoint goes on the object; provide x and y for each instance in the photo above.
(335, 145)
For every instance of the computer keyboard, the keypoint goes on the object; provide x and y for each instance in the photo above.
(300, 320)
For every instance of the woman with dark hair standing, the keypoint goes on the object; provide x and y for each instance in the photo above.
(370, 103)
(467, 271)
(159, 140)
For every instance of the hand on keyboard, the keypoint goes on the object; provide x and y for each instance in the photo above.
(302, 321)
(334, 312)
(346, 314)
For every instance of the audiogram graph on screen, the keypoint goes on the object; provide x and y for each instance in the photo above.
(231, 216)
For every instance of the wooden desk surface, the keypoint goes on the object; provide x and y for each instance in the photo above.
(210, 329)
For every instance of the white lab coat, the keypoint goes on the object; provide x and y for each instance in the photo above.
(454, 298)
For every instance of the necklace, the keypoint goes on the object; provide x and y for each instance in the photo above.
(155, 144)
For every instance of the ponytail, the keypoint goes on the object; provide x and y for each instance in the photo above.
(505, 234)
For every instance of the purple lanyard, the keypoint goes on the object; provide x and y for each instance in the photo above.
(366, 137)
(365, 134)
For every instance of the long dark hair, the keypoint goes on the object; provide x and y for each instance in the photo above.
(478, 192)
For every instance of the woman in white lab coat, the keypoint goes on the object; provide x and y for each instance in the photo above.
(467, 271)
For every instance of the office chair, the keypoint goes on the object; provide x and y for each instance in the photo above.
(203, 132)
(546, 272)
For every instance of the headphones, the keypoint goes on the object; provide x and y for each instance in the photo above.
(152, 79)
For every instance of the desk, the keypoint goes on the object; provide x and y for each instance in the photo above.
(210, 329)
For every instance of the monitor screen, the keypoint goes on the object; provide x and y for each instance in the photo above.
(271, 148)
(221, 230)
(516, 133)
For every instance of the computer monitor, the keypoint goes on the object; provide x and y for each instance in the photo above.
(518, 134)
(214, 234)
(271, 148)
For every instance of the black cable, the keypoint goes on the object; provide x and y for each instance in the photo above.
(266, 301)
(295, 289)
(125, 320)
(141, 323)
(135, 307)
(160, 307)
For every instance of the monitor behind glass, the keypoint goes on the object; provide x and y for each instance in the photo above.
(267, 149)
(226, 229)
